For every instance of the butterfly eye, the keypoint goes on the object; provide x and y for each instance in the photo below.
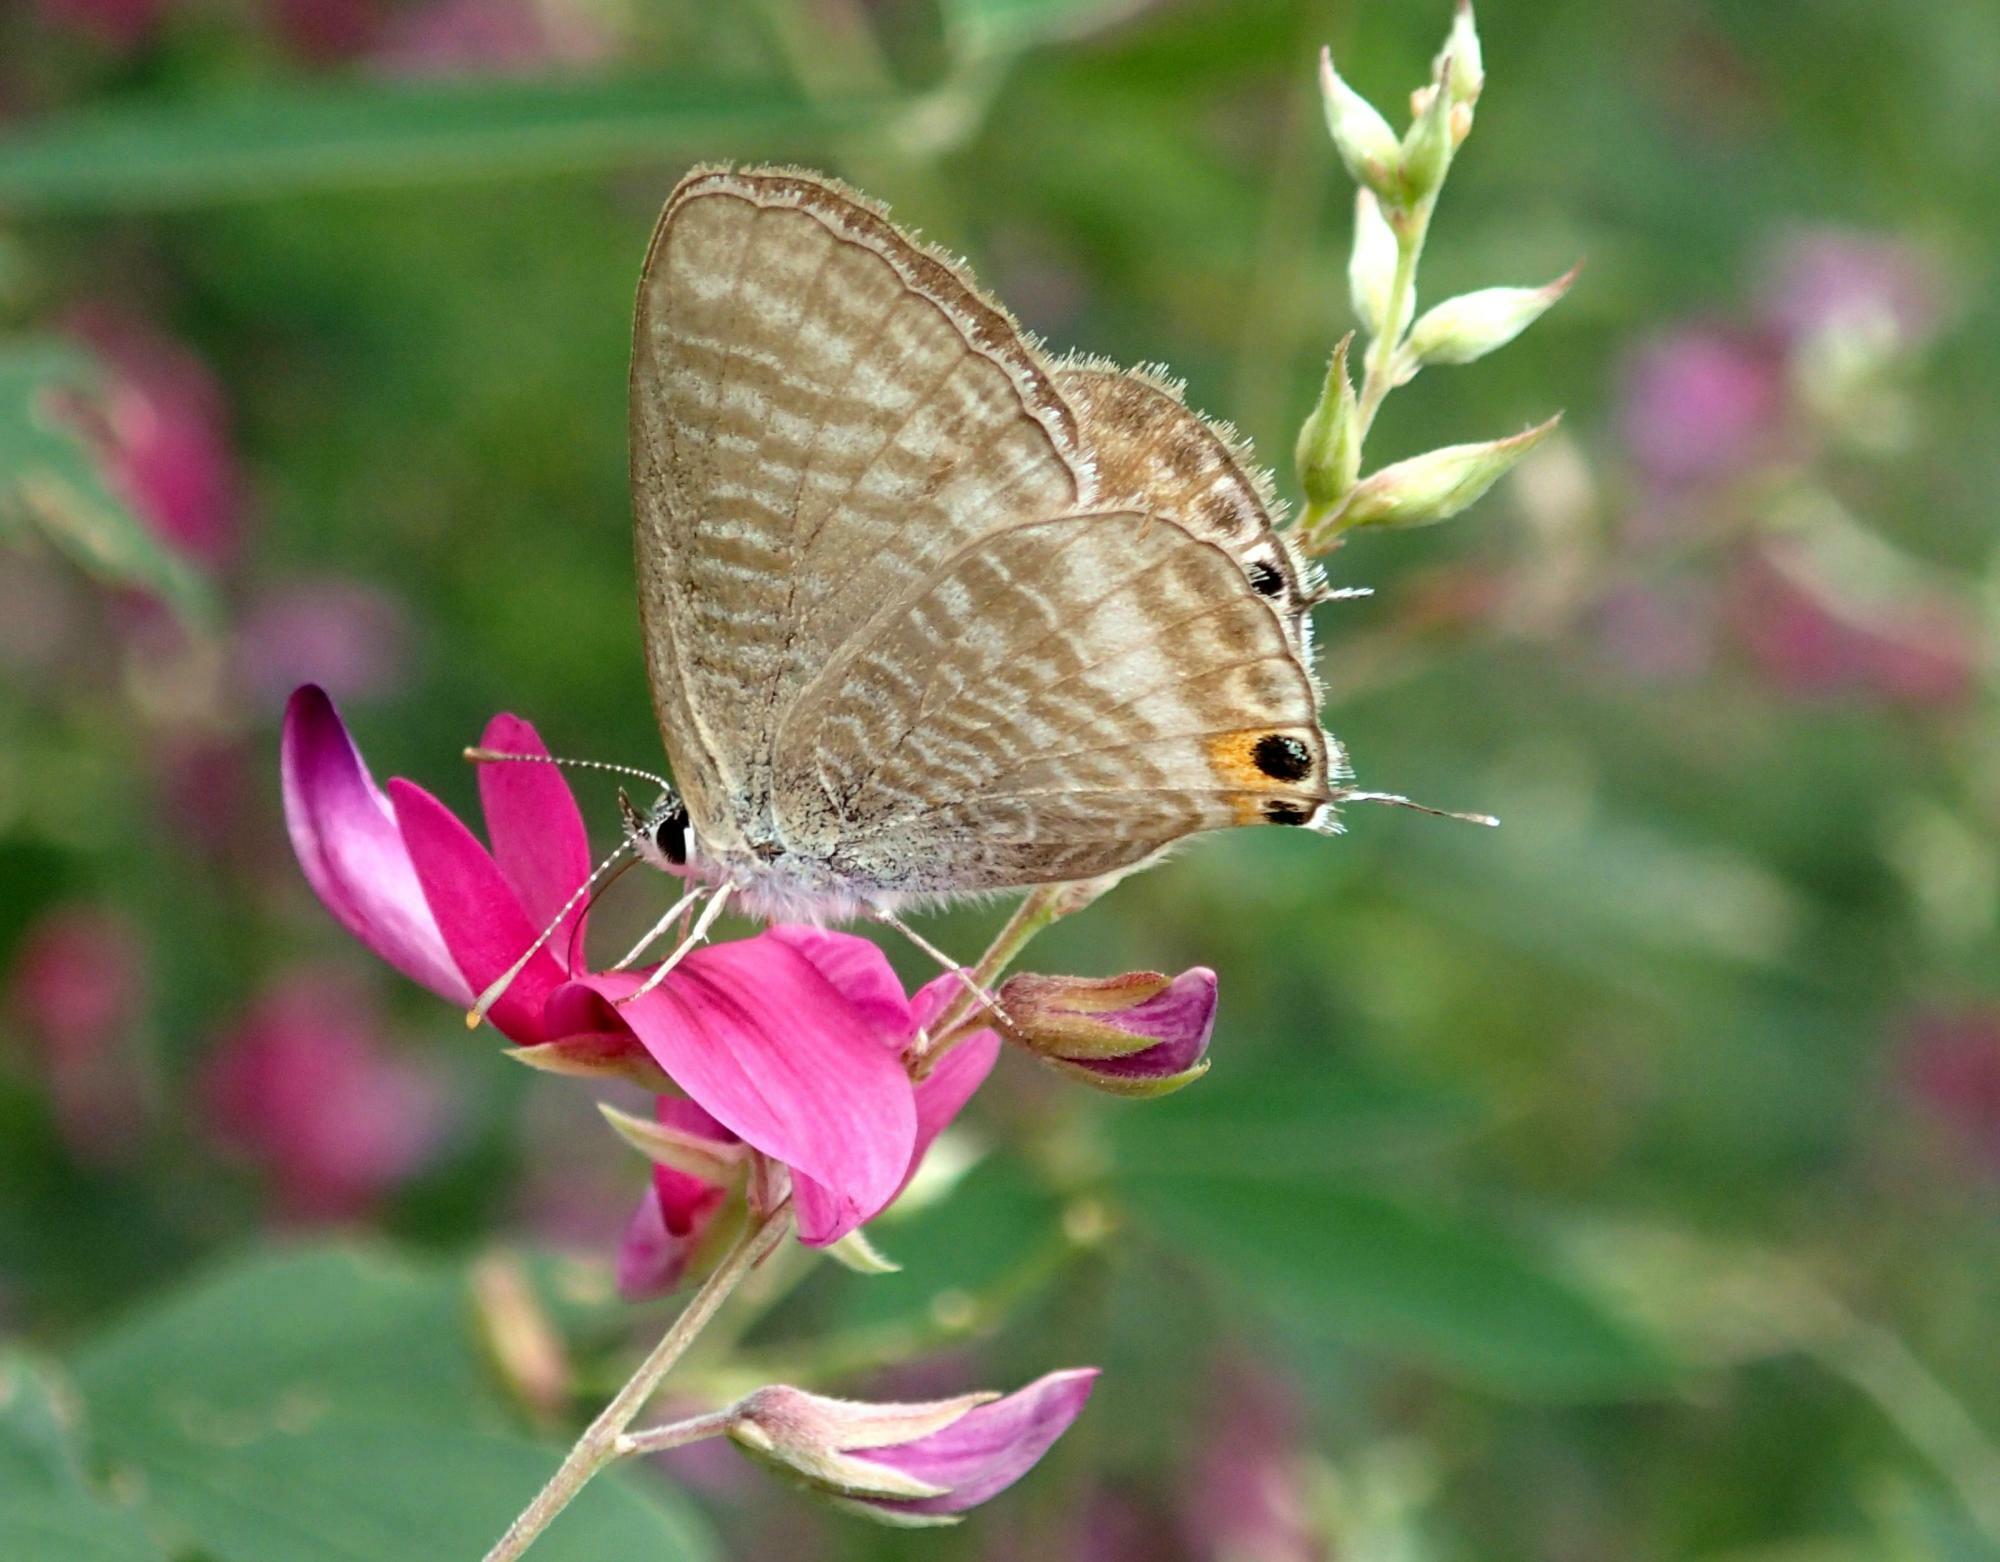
(670, 836)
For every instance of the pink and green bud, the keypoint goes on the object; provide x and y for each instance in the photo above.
(1360, 134)
(1427, 149)
(1142, 1034)
(1436, 485)
(1329, 448)
(909, 1465)
(1468, 327)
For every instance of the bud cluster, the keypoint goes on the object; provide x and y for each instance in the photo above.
(1398, 181)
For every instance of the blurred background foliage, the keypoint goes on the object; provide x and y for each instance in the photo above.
(1620, 1183)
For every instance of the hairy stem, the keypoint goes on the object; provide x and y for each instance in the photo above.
(600, 1443)
(677, 1434)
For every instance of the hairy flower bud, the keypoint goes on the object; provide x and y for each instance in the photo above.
(1427, 149)
(1329, 448)
(1371, 265)
(1462, 54)
(1436, 485)
(1468, 327)
(1361, 135)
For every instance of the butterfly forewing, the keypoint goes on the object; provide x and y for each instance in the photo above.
(821, 412)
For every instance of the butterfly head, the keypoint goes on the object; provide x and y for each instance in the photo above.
(659, 835)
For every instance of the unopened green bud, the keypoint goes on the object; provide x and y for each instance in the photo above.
(1462, 53)
(1329, 448)
(1468, 327)
(1371, 265)
(1438, 484)
(1427, 149)
(1361, 135)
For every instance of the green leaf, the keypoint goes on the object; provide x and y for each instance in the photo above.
(1006, 26)
(1370, 1271)
(276, 1338)
(50, 477)
(47, 1512)
(55, 1529)
(360, 1490)
(295, 136)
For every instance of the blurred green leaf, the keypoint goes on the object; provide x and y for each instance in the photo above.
(280, 1336)
(296, 136)
(1372, 1271)
(50, 477)
(395, 1492)
(47, 1513)
(1003, 26)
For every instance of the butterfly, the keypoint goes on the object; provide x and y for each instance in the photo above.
(927, 613)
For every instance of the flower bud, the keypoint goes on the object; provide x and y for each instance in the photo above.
(1427, 149)
(1462, 56)
(1329, 448)
(1371, 265)
(1361, 135)
(1141, 1034)
(1436, 485)
(909, 1465)
(1468, 327)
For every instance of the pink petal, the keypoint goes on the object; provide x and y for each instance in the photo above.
(661, 1239)
(755, 1034)
(862, 973)
(537, 833)
(1182, 1017)
(949, 1086)
(991, 1447)
(348, 843)
(483, 924)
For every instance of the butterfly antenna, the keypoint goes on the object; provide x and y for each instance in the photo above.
(1397, 800)
(498, 990)
(493, 756)
(696, 934)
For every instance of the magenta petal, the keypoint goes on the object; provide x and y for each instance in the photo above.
(663, 1234)
(348, 843)
(1182, 1016)
(947, 1088)
(863, 975)
(755, 1034)
(988, 1448)
(483, 924)
(537, 833)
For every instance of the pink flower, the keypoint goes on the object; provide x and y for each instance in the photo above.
(165, 433)
(348, 636)
(1246, 1498)
(1701, 404)
(1825, 280)
(1141, 1034)
(122, 24)
(77, 988)
(301, 1086)
(493, 37)
(1951, 1060)
(1907, 648)
(911, 1464)
(790, 1041)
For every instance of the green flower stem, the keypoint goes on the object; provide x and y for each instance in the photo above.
(600, 1443)
(1411, 228)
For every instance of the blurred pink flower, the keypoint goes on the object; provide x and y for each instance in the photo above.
(1915, 650)
(1701, 404)
(1658, 632)
(790, 1040)
(911, 1464)
(325, 32)
(348, 636)
(1951, 1064)
(123, 24)
(493, 37)
(164, 428)
(1244, 1496)
(77, 988)
(303, 1087)
(1832, 279)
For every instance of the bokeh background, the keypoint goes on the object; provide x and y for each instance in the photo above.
(1621, 1183)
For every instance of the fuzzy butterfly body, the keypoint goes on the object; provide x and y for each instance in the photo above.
(925, 613)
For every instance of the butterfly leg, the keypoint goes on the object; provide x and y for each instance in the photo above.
(660, 927)
(695, 936)
(980, 996)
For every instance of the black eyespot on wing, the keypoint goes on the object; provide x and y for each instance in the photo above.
(1265, 578)
(1279, 811)
(1282, 757)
